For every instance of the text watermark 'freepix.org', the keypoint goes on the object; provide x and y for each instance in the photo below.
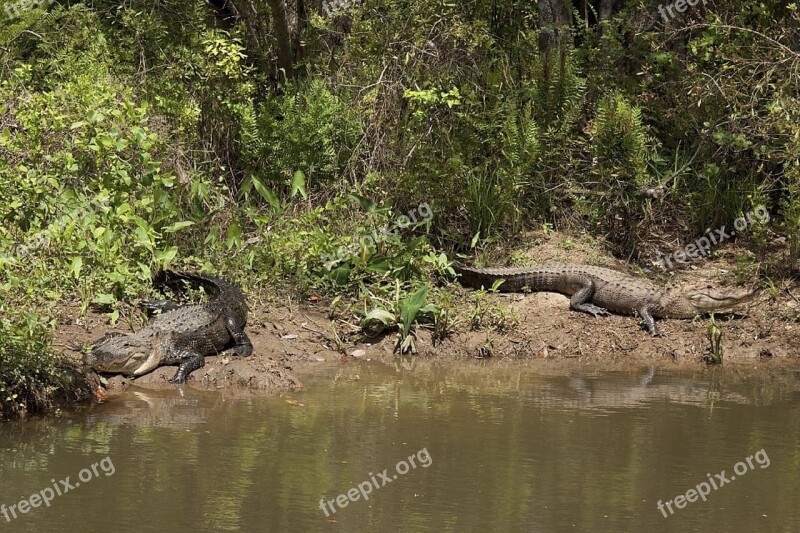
(48, 494)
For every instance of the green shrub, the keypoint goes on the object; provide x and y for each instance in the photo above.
(31, 376)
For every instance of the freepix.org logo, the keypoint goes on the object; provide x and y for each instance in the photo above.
(703, 489)
(365, 488)
(59, 488)
(13, 9)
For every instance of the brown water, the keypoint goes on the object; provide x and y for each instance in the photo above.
(507, 450)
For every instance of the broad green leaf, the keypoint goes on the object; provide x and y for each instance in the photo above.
(410, 307)
(172, 228)
(234, 235)
(430, 308)
(340, 274)
(366, 204)
(166, 256)
(141, 236)
(75, 268)
(104, 299)
(298, 184)
(475, 240)
(266, 194)
(381, 315)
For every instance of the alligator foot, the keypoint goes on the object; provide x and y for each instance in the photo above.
(649, 322)
(242, 345)
(191, 361)
(591, 309)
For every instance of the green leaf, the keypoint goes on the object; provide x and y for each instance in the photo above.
(298, 184)
(430, 309)
(381, 315)
(166, 256)
(267, 194)
(409, 309)
(234, 235)
(475, 240)
(172, 228)
(104, 299)
(75, 268)
(366, 204)
(340, 274)
(141, 236)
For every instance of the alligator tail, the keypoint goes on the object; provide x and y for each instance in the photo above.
(175, 282)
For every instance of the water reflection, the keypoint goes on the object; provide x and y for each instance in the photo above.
(511, 449)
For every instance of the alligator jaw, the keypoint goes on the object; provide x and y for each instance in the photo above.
(130, 362)
(150, 363)
(708, 300)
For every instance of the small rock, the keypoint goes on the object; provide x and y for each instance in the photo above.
(226, 360)
(289, 337)
(358, 353)
(317, 359)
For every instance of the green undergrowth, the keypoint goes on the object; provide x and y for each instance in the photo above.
(33, 378)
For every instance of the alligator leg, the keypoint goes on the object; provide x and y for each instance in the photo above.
(242, 345)
(649, 321)
(581, 301)
(190, 361)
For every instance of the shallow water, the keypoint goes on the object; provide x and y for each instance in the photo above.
(494, 448)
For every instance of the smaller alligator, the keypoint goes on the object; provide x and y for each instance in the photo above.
(180, 334)
(596, 291)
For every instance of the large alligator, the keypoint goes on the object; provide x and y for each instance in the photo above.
(180, 334)
(596, 291)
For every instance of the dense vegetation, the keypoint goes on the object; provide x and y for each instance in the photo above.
(268, 138)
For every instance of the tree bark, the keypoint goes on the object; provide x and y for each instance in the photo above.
(280, 25)
(608, 7)
(555, 22)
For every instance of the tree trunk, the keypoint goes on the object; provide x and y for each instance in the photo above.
(280, 25)
(608, 7)
(555, 22)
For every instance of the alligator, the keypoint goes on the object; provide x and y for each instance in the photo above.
(596, 291)
(180, 334)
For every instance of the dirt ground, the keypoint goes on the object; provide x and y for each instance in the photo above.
(290, 340)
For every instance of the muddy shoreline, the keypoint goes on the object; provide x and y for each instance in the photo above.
(543, 334)
(291, 337)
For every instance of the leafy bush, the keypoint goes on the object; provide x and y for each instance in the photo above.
(31, 376)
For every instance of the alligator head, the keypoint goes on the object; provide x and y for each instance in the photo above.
(704, 299)
(132, 355)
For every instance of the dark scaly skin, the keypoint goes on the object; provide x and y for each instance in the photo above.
(597, 290)
(181, 335)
